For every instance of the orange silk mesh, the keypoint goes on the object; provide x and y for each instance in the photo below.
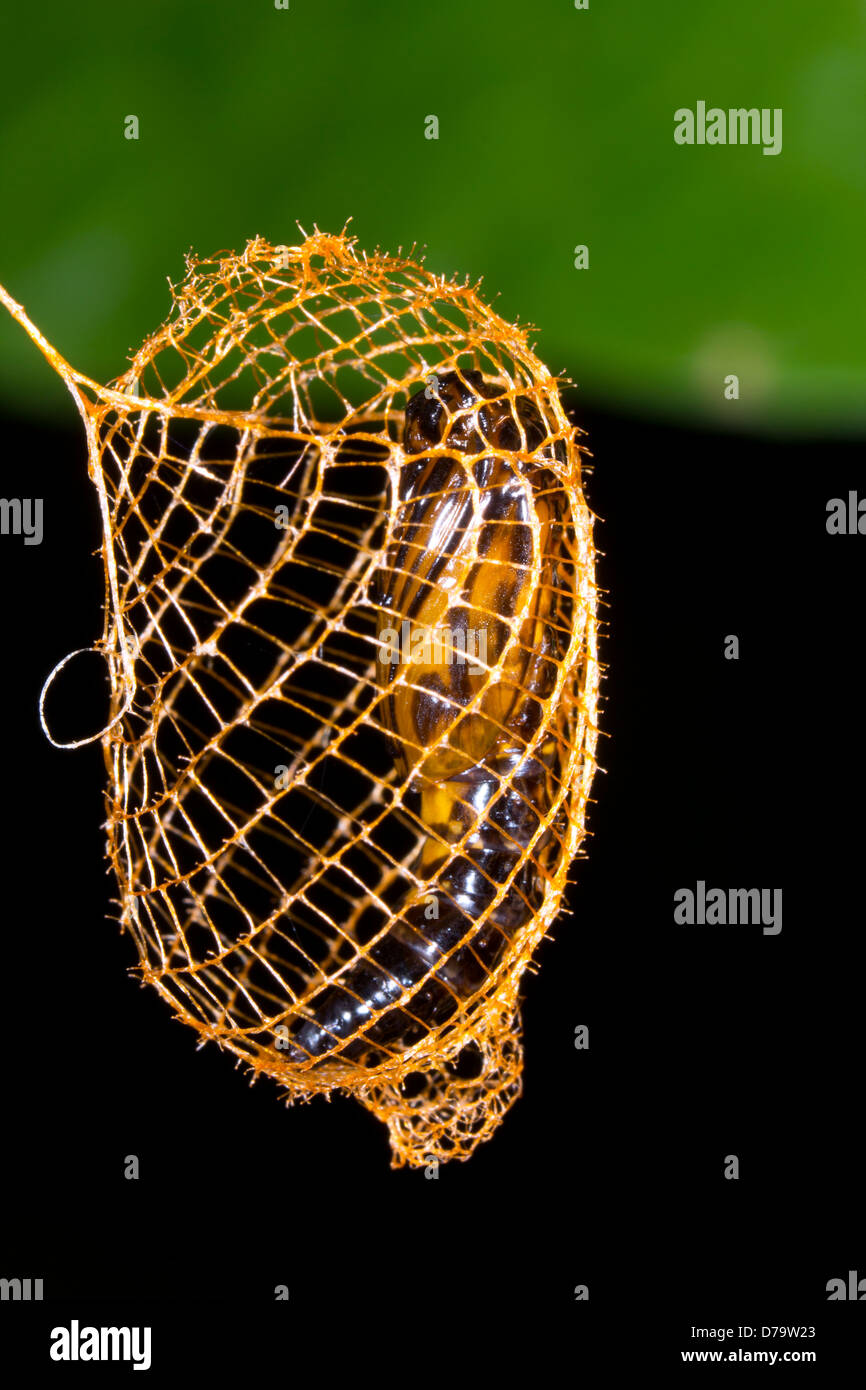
(265, 826)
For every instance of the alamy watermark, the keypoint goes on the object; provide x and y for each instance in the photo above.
(729, 907)
(737, 126)
(76, 1343)
(22, 516)
(846, 518)
(854, 1289)
(419, 645)
(21, 1290)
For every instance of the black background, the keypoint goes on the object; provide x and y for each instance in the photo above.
(609, 1172)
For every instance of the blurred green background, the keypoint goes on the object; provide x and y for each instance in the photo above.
(556, 129)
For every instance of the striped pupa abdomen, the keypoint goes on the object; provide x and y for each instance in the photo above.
(475, 589)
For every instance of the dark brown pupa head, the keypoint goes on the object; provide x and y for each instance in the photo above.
(463, 409)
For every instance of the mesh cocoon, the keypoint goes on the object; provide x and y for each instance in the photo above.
(268, 820)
